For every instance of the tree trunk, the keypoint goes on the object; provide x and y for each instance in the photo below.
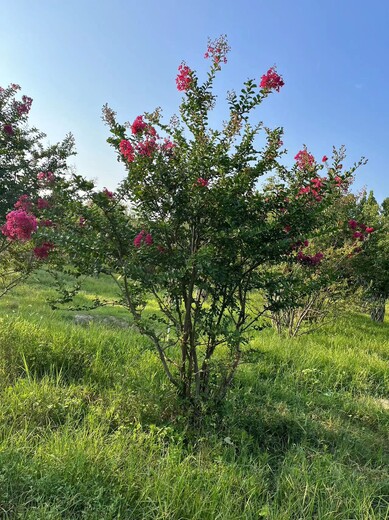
(377, 311)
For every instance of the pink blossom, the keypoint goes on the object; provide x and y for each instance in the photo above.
(47, 177)
(146, 148)
(271, 80)
(338, 181)
(304, 159)
(369, 230)
(46, 223)
(325, 158)
(317, 183)
(359, 235)
(138, 126)
(143, 238)
(309, 260)
(43, 250)
(42, 204)
(7, 129)
(148, 240)
(107, 193)
(127, 150)
(304, 190)
(202, 182)
(217, 50)
(167, 145)
(24, 106)
(184, 77)
(20, 225)
(23, 203)
(81, 221)
(352, 224)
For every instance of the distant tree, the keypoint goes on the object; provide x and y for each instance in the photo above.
(28, 171)
(370, 268)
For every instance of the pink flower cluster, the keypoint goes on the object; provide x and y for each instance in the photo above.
(127, 150)
(43, 250)
(217, 50)
(364, 230)
(271, 81)
(7, 129)
(147, 147)
(20, 225)
(167, 145)
(107, 193)
(46, 177)
(24, 106)
(23, 203)
(42, 204)
(304, 160)
(143, 238)
(308, 259)
(202, 182)
(313, 189)
(184, 77)
(139, 127)
(300, 245)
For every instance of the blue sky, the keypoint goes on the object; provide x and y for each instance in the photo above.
(72, 56)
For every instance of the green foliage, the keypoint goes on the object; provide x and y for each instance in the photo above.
(370, 269)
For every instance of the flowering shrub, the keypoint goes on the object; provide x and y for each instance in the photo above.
(29, 173)
(201, 238)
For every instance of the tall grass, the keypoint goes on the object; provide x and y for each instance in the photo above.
(90, 429)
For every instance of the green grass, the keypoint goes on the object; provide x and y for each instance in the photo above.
(90, 429)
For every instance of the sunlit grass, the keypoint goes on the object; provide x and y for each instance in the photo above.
(90, 428)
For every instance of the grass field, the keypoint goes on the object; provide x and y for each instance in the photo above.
(90, 429)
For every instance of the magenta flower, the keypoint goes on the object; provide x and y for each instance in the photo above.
(271, 81)
(42, 204)
(143, 238)
(20, 225)
(304, 159)
(147, 148)
(23, 203)
(7, 129)
(107, 193)
(184, 77)
(138, 126)
(46, 177)
(202, 182)
(127, 150)
(43, 250)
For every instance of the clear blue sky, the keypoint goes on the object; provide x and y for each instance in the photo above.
(72, 56)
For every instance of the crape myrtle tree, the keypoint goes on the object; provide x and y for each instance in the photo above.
(316, 288)
(370, 268)
(190, 231)
(28, 170)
